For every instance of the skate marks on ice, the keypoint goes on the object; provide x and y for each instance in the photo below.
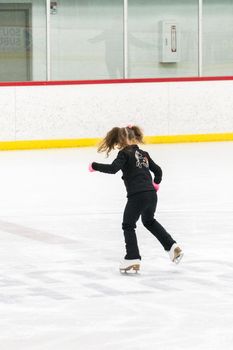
(59, 278)
(67, 278)
(34, 234)
(212, 273)
(109, 283)
(205, 276)
(104, 307)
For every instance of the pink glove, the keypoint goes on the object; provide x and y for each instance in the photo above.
(156, 186)
(90, 168)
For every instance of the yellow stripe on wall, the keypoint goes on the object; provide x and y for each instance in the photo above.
(190, 138)
(87, 142)
(40, 144)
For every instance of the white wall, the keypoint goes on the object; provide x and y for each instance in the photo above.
(80, 111)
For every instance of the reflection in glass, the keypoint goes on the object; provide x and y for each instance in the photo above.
(87, 40)
(144, 21)
(217, 37)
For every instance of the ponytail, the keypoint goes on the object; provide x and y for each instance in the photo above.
(110, 141)
(119, 137)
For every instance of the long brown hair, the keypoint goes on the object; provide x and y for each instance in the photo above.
(119, 137)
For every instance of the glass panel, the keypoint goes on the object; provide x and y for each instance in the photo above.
(162, 38)
(217, 37)
(22, 40)
(87, 39)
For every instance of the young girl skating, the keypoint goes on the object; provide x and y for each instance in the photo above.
(136, 165)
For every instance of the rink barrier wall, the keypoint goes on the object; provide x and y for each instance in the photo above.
(60, 114)
(93, 142)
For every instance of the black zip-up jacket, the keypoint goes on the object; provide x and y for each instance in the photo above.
(136, 165)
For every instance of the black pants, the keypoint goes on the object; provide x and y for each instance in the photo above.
(144, 204)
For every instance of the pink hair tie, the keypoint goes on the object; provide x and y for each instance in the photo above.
(130, 126)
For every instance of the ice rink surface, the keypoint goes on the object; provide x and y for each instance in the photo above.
(61, 243)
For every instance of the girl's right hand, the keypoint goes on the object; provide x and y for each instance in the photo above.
(90, 168)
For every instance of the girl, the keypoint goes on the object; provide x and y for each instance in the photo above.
(136, 165)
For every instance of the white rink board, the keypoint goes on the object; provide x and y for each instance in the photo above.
(61, 242)
(83, 111)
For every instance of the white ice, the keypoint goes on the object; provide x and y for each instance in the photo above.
(61, 243)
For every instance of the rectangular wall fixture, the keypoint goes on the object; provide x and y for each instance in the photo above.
(169, 35)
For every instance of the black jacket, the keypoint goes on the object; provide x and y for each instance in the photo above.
(136, 165)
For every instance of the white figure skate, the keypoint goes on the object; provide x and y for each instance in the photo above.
(175, 253)
(130, 265)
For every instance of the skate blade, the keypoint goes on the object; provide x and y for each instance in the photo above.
(178, 258)
(135, 268)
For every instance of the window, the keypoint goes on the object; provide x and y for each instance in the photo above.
(114, 39)
(153, 27)
(217, 37)
(87, 40)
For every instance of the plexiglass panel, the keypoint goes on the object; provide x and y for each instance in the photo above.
(87, 40)
(22, 40)
(162, 38)
(217, 37)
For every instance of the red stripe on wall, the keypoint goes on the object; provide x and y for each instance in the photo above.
(114, 81)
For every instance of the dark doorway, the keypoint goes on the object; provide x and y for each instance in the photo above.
(15, 42)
